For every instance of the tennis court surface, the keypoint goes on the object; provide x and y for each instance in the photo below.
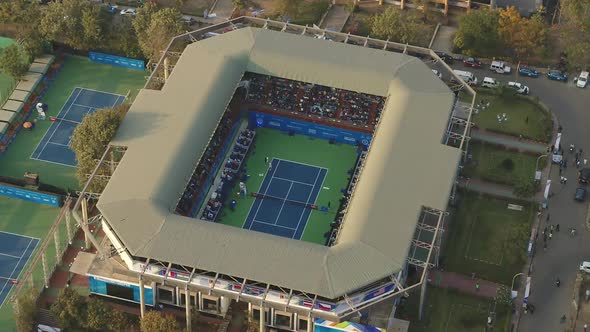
(55, 145)
(15, 251)
(282, 206)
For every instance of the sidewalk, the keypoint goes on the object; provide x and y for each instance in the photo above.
(495, 189)
(462, 283)
(335, 19)
(508, 141)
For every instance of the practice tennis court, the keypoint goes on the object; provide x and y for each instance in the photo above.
(286, 193)
(15, 251)
(55, 145)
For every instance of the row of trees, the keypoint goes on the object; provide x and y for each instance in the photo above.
(400, 26)
(501, 32)
(575, 31)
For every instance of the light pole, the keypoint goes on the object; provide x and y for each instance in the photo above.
(513, 279)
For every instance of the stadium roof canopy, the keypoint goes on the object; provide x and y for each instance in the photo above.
(167, 130)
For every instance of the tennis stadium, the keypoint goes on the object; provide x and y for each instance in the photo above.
(305, 177)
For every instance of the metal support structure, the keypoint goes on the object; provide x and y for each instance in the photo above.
(213, 283)
(167, 272)
(187, 295)
(262, 317)
(85, 221)
(141, 298)
(70, 235)
(241, 290)
(45, 272)
(57, 251)
(166, 72)
(422, 298)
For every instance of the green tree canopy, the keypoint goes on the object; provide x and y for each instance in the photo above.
(478, 33)
(90, 139)
(68, 308)
(26, 310)
(14, 62)
(155, 29)
(575, 30)
(399, 26)
(79, 24)
(154, 321)
(525, 36)
(290, 8)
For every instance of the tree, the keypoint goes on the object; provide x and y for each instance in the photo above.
(478, 33)
(162, 25)
(575, 30)
(525, 36)
(68, 308)
(22, 14)
(240, 4)
(154, 321)
(14, 62)
(90, 140)
(26, 311)
(101, 317)
(78, 24)
(123, 39)
(289, 8)
(397, 25)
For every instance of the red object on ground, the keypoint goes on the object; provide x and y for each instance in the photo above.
(52, 118)
(14, 281)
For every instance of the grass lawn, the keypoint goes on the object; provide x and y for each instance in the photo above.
(76, 72)
(446, 310)
(487, 238)
(524, 117)
(488, 162)
(30, 219)
(337, 158)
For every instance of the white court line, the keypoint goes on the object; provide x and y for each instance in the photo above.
(58, 144)
(265, 190)
(28, 237)
(283, 205)
(11, 273)
(267, 223)
(304, 164)
(12, 256)
(307, 184)
(103, 92)
(321, 186)
(307, 202)
(53, 162)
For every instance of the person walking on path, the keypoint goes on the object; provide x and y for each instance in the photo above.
(477, 286)
(557, 282)
(585, 327)
(557, 227)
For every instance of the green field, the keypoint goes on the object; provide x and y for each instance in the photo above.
(488, 163)
(446, 310)
(337, 158)
(487, 238)
(76, 72)
(524, 117)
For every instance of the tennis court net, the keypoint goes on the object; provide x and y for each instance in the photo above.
(303, 204)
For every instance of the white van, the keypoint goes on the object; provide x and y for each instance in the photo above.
(500, 67)
(582, 80)
(466, 76)
(489, 82)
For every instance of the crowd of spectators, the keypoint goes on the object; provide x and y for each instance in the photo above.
(205, 166)
(293, 96)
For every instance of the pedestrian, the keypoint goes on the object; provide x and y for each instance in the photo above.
(585, 327)
(560, 170)
(265, 160)
(578, 163)
(551, 229)
(232, 204)
(545, 230)
(563, 318)
(564, 180)
(472, 275)
(550, 235)
(526, 120)
(557, 227)
(557, 282)
(548, 217)
(545, 246)
(329, 203)
(477, 286)
(545, 238)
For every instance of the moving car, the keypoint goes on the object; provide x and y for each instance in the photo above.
(582, 80)
(584, 175)
(471, 62)
(580, 195)
(585, 267)
(557, 75)
(445, 57)
(528, 71)
(129, 11)
(500, 67)
(519, 87)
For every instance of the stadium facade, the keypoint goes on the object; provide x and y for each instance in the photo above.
(157, 257)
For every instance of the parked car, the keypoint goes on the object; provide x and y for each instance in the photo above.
(500, 67)
(489, 82)
(466, 76)
(585, 267)
(557, 75)
(129, 11)
(580, 195)
(445, 57)
(584, 175)
(471, 62)
(528, 71)
(582, 80)
(519, 87)
(189, 20)
(437, 73)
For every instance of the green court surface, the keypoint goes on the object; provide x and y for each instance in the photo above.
(487, 238)
(337, 158)
(446, 310)
(76, 72)
(30, 219)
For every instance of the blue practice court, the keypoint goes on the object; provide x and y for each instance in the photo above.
(15, 251)
(289, 188)
(55, 145)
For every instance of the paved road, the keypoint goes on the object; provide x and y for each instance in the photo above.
(572, 108)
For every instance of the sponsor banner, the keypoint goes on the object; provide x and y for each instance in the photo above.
(115, 60)
(28, 195)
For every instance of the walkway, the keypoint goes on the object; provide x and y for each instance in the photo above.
(335, 19)
(494, 189)
(462, 283)
(508, 141)
(444, 39)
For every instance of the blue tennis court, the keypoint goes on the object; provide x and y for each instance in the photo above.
(289, 187)
(55, 145)
(15, 251)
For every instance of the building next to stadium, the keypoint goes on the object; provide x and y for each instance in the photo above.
(158, 257)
